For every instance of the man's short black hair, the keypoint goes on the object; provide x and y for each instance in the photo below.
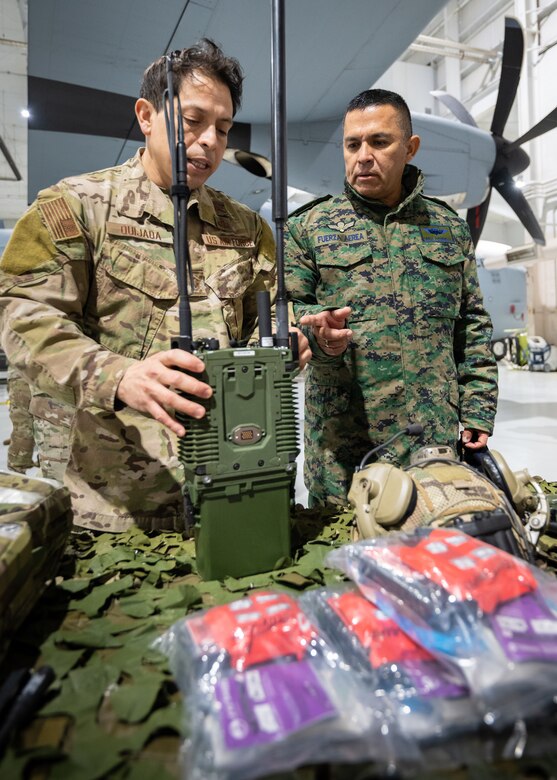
(383, 97)
(204, 56)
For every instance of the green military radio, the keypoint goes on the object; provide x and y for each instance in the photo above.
(240, 459)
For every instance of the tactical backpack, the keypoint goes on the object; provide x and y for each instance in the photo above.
(485, 500)
(35, 523)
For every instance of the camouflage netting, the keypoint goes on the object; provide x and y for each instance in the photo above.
(114, 710)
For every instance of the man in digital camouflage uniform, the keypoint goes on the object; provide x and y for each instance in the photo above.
(89, 297)
(385, 282)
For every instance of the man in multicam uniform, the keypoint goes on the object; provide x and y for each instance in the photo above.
(52, 422)
(89, 297)
(384, 280)
(38, 422)
(21, 443)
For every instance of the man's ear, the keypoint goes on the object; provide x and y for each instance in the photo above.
(145, 112)
(412, 147)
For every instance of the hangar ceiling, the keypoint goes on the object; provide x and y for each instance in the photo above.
(95, 54)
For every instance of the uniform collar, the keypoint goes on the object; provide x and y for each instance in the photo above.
(412, 185)
(205, 206)
(138, 195)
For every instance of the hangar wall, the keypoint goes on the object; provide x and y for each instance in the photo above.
(475, 83)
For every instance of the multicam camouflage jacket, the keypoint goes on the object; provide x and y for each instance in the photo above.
(421, 345)
(22, 440)
(88, 287)
(38, 422)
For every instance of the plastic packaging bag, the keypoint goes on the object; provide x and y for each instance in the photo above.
(264, 693)
(430, 700)
(473, 605)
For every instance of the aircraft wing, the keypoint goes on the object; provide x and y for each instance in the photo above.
(456, 160)
(86, 61)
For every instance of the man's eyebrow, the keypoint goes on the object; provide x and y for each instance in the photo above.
(380, 134)
(201, 110)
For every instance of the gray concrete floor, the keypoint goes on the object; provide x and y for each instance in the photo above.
(526, 423)
(525, 426)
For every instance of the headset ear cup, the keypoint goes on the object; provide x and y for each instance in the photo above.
(506, 475)
(382, 496)
(363, 492)
(488, 464)
(368, 528)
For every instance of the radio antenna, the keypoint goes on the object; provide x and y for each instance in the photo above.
(278, 157)
(180, 194)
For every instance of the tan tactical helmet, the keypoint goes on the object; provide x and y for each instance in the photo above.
(439, 490)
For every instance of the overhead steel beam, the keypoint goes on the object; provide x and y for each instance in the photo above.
(11, 162)
(447, 48)
(542, 13)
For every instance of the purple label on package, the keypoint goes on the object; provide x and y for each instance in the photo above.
(526, 629)
(269, 703)
(433, 681)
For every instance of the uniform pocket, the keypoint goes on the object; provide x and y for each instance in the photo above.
(232, 272)
(55, 412)
(439, 289)
(134, 293)
(347, 272)
(229, 272)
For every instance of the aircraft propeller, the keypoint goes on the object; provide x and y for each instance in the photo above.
(510, 159)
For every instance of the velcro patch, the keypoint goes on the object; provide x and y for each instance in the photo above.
(436, 233)
(356, 237)
(231, 242)
(59, 219)
(142, 232)
(198, 283)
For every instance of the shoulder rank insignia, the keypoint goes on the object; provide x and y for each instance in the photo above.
(440, 203)
(309, 205)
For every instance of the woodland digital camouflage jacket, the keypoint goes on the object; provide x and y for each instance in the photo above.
(88, 287)
(421, 344)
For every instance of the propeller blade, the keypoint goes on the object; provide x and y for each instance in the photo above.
(454, 105)
(546, 124)
(513, 49)
(475, 218)
(516, 200)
